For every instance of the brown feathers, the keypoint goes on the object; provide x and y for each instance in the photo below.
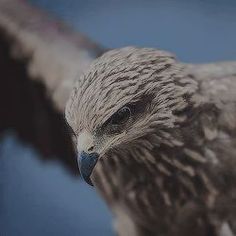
(176, 152)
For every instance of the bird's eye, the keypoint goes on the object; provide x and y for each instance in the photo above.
(121, 116)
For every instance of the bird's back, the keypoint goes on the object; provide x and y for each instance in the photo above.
(217, 80)
(217, 86)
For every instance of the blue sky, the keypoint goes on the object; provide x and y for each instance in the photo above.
(197, 31)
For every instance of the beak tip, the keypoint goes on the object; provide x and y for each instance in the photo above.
(87, 162)
(87, 180)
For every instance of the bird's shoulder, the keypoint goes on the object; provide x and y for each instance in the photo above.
(217, 89)
(217, 81)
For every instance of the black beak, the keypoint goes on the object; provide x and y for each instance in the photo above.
(87, 162)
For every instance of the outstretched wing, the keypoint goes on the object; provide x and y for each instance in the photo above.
(39, 59)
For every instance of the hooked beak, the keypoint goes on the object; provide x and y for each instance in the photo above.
(87, 162)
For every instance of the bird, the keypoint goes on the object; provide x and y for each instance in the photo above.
(157, 139)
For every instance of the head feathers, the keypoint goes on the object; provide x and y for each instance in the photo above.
(125, 76)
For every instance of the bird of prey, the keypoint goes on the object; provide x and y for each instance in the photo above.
(157, 138)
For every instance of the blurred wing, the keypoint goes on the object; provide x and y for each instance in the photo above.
(40, 58)
(56, 54)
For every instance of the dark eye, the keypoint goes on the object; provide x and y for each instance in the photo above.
(121, 116)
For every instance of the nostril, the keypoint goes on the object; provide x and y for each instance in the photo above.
(91, 149)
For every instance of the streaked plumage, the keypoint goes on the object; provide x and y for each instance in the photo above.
(170, 169)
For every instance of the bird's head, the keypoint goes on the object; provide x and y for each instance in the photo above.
(124, 95)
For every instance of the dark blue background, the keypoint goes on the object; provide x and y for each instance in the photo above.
(42, 198)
